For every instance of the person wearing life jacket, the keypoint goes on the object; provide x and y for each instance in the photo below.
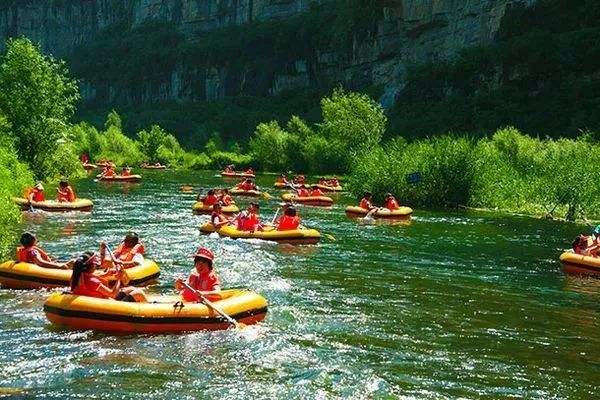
(84, 282)
(593, 243)
(299, 180)
(217, 218)
(30, 253)
(366, 203)
(323, 181)
(126, 171)
(246, 185)
(248, 220)
(84, 158)
(335, 182)
(316, 192)
(390, 202)
(202, 278)
(226, 199)
(65, 193)
(108, 171)
(249, 171)
(36, 193)
(210, 199)
(282, 179)
(289, 221)
(128, 254)
(302, 192)
(230, 169)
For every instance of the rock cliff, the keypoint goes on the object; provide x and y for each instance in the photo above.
(406, 31)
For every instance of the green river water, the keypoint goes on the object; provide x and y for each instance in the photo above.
(453, 305)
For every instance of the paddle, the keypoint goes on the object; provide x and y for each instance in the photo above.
(275, 216)
(117, 264)
(210, 304)
(266, 196)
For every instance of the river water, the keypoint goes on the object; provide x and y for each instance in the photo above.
(452, 305)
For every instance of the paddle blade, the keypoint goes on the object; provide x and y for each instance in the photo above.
(266, 196)
(330, 237)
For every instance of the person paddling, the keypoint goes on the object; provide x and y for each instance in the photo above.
(108, 171)
(248, 220)
(129, 253)
(85, 283)
(366, 202)
(282, 179)
(30, 253)
(202, 278)
(247, 185)
(289, 221)
(36, 193)
(65, 193)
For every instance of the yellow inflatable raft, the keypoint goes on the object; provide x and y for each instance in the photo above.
(162, 314)
(200, 208)
(120, 178)
(30, 276)
(55, 206)
(317, 201)
(326, 188)
(237, 175)
(400, 213)
(577, 264)
(249, 193)
(297, 236)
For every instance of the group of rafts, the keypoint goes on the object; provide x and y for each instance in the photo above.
(228, 221)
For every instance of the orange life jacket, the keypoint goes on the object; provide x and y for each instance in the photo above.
(316, 192)
(302, 192)
(226, 200)
(126, 254)
(27, 254)
(288, 223)
(66, 195)
(391, 204)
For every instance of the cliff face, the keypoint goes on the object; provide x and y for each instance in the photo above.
(408, 31)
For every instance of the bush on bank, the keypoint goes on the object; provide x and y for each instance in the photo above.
(509, 171)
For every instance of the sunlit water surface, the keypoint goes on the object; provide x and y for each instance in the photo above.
(453, 305)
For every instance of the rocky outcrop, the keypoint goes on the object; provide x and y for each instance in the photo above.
(410, 31)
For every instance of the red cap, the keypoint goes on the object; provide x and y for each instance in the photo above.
(204, 253)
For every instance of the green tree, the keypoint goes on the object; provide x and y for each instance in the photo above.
(269, 145)
(113, 120)
(36, 96)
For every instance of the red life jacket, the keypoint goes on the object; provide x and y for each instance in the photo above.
(38, 195)
(366, 204)
(204, 283)
(210, 200)
(249, 222)
(28, 254)
(288, 223)
(316, 192)
(391, 204)
(302, 192)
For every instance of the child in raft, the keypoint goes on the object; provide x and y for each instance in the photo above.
(210, 199)
(588, 245)
(316, 192)
(289, 221)
(225, 198)
(248, 220)
(65, 193)
(85, 283)
(230, 169)
(390, 202)
(202, 278)
(129, 253)
(108, 171)
(249, 171)
(30, 253)
(217, 218)
(366, 202)
(247, 185)
(36, 193)
(126, 171)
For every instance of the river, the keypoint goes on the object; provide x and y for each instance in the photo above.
(452, 305)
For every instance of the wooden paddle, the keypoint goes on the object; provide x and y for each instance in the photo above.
(125, 278)
(210, 304)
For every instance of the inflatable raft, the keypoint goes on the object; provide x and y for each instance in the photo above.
(89, 167)
(237, 175)
(154, 167)
(200, 208)
(162, 314)
(120, 178)
(30, 276)
(54, 206)
(317, 201)
(577, 264)
(326, 188)
(400, 213)
(297, 236)
(248, 193)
